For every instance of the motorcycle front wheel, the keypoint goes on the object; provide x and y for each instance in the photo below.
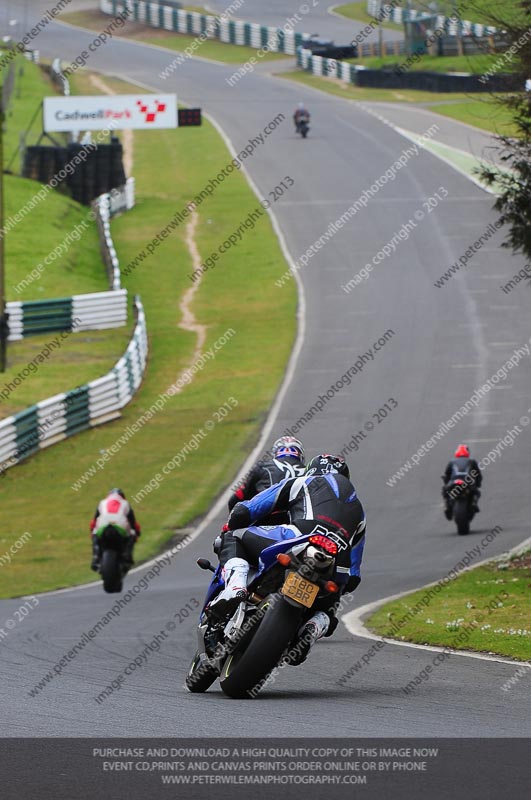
(200, 676)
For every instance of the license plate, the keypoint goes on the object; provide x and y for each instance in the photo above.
(299, 589)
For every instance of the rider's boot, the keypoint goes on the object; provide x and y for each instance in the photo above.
(234, 574)
(96, 555)
(127, 556)
(316, 627)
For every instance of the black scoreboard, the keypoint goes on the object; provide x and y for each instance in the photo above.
(189, 116)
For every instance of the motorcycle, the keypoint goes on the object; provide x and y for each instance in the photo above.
(113, 565)
(303, 126)
(243, 648)
(463, 505)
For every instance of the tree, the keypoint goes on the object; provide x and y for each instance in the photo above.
(513, 178)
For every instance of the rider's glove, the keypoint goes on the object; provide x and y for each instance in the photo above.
(240, 517)
(352, 583)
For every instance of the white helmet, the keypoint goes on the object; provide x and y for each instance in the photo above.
(288, 446)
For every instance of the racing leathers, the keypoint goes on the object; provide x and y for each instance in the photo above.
(300, 115)
(466, 469)
(326, 504)
(262, 476)
(114, 511)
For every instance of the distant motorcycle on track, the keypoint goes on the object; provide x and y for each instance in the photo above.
(301, 118)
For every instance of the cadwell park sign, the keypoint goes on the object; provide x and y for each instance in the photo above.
(86, 113)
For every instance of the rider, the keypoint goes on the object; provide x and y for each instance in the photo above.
(466, 468)
(287, 462)
(322, 498)
(114, 510)
(301, 113)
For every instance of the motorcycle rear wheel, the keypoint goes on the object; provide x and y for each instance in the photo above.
(111, 571)
(246, 670)
(462, 517)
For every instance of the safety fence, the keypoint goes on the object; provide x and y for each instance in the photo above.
(81, 312)
(238, 32)
(413, 79)
(63, 415)
(105, 207)
(396, 47)
(58, 78)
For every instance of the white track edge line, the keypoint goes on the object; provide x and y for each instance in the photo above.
(127, 40)
(290, 369)
(353, 621)
(411, 136)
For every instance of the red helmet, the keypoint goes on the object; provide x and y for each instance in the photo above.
(462, 452)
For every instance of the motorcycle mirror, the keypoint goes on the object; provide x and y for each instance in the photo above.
(204, 563)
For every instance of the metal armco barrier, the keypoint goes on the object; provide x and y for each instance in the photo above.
(63, 415)
(94, 311)
(250, 34)
(105, 207)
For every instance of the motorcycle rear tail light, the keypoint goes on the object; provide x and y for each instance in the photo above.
(325, 543)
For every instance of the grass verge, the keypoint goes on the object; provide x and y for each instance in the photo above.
(350, 92)
(485, 609)
(476, 65)
(57, 221)
(23, 113)
(358, 12)
(211, 48)
(170, 167)
(482, 11)
(486, 113)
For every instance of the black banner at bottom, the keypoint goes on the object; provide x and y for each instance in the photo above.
(298, 769)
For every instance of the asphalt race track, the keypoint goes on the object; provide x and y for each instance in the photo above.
(445, 343)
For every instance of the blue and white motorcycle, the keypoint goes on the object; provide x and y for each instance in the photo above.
(295, 576)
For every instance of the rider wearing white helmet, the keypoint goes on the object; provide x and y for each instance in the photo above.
(287, 462)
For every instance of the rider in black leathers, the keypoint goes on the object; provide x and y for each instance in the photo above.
(287, 462)
(464, 467)
(301, 113)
